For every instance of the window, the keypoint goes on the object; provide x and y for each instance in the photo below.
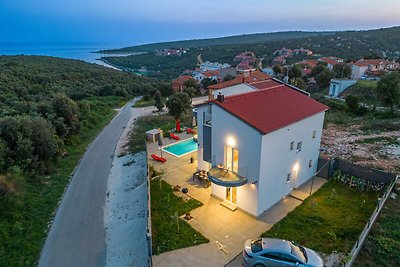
(299, 144)
(314, 134)
(288, 178)
(204, 117)
(310, 163)
(291, 145)
(272, 255)
(288, 258)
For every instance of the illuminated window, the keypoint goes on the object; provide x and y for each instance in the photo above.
(291, 145)
(314, 134)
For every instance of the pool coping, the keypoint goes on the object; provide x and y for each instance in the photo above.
(180, 141)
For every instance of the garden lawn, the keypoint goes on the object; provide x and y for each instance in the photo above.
(24, 217)
(329, 220)
(168, 231)
(382, 245)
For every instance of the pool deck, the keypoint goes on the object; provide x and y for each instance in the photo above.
(227, 230)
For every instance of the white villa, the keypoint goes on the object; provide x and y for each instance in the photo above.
(258, 142)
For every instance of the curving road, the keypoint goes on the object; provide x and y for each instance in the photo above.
(77, 235)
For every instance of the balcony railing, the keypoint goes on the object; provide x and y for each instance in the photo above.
(224, 177)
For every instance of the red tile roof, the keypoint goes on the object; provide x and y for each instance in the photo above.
(255, 76)
(331, 60)
(268, 84)
(271, 109)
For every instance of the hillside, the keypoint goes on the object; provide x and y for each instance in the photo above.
(50, 110)
(229, 40)
(349, 45)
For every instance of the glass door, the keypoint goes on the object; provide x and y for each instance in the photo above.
(232, 159)
(231, 194)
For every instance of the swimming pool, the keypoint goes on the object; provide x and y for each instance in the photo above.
(181, 148)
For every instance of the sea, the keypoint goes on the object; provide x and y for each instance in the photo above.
(83, 52)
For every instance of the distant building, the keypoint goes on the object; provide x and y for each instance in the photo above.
(283, 51)
(337, 86)
(331, 61)
(213, 66)
(268, 71)
(178, 83)
(302, 51)
(311, 63)
(372, 67)
(171, 52)
(244, 67)
(279, 61)
(245, 56)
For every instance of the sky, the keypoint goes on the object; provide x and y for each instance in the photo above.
(129, 22)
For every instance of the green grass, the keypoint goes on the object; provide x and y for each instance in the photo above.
(24, 216)
(382, 245)
(144, 103)
(330, 220)
(165, 207)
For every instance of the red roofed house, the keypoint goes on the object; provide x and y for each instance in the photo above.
(374, 66)
(259, 145)
(331, 61)
(178, 83)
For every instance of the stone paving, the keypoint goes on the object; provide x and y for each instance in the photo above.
(227, 230)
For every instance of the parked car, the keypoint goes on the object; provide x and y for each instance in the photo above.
(271, 252)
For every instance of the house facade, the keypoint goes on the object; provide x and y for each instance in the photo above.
(259, 145)
(337, 86)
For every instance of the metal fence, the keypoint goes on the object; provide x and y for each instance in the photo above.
(357, 246)
(327, 167)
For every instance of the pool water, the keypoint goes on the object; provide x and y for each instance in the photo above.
(181, 148)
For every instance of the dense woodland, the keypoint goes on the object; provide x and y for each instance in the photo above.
(349, 45)
(44, 101)
(50, 110)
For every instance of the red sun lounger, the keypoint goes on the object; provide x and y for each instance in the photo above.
(189, 130)
(157, 158)
(174, 136)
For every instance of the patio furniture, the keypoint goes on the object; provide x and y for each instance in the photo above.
(157, 158)
(173, 136)
(189, 130)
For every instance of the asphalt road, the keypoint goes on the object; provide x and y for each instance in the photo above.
(77, 235)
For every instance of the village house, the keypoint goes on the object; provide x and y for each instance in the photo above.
(331, 61)
(205, 66)
(372, 67)
(258, 141)
(178, 83)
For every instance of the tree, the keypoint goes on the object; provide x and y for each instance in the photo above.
(178, 104)
(294, 72)
(388, 90)
(317, 70)
(342, 70)
(65, 108)
(299, 83)
(228, 77)
(190, 83)
(277, 69)
(158, 102)
(323, 79)
(352, 103)
(206, 82)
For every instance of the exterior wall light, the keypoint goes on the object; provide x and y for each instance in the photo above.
(230, 141)
(296, 167)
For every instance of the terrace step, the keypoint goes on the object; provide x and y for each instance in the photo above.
(228, 205)
(300, 195)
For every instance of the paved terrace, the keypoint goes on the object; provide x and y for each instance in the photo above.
(225, 229)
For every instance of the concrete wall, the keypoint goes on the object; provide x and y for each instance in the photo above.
(277, 160)
(248, 142)
(234, 90)
(336, 87)
(201, 164)
(358, 71)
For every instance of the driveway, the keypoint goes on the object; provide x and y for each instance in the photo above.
(77, 235)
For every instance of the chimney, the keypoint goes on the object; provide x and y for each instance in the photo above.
(220, 97)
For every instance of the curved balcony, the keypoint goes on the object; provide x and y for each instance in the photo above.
(225, 177)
